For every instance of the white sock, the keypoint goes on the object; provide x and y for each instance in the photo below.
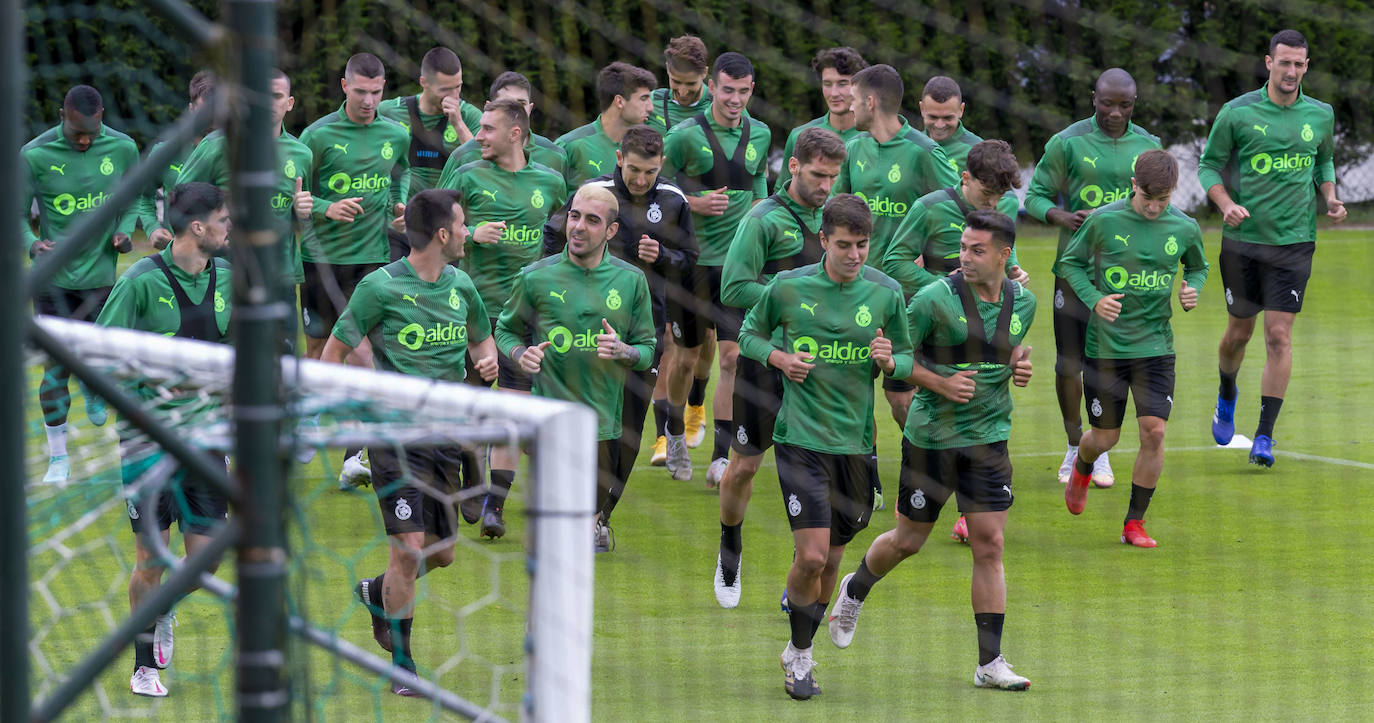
(1073, 448)
(57, 439)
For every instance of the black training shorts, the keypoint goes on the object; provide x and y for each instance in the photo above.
(834, 491)
(979, 477)
(1263, 277)
(1106, 382)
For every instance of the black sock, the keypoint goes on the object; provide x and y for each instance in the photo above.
(802, 629)
(400, 654)
(501, 481)
(1269, 413)
(375, 605)
(725, 430)
(989, 635)
(1140, 501)
(731, 544)
(1074, 432)
(1083, 466)
(697, 396)
(143, 649)
(817, 615)
(660, 417)
(862, 582)
(673, 425)
(1228, 386)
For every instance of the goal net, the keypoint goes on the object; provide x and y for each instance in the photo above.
(504, 632)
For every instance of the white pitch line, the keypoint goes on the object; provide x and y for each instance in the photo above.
(1282, 453)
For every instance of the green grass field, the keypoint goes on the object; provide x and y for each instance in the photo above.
(1253, 606)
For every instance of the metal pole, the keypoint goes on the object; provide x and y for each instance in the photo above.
(14, 542)
(259, 327)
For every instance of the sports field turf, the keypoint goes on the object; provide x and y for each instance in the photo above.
(1253, 606)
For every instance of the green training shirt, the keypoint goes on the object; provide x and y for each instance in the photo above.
(1270, 158)
(785, 175)
(890, 177)
(936, 316)
(767, 233)
(538, 149)
(667, 112)
(1087, 168)
(523, 199)
(1118, 251)
(143, 300)
(209, 163)
(933, 230)
(589, 153)
(422, 179)
(687, 155)
(957, 146)
(562, 303)
(355, 161)
(166, 181)
(832, 410)
(68, 184)
(416, 327)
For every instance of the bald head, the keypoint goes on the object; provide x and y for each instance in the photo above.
(1115, 79)
(1114, 101)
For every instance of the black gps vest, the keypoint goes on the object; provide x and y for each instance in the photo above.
(426, 144)
(197, 320)
(936, 264)
(977, 347)
(810, 252)
(729, 172)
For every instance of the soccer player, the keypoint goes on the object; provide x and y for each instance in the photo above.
(968, 329)
(827, 327)
(159, 232)
(623, 91)
(889, 167)
(835, 68)
(538, 149)
(721, 159)
(1089, 165)
(1268, 155)
(438, 119)
(425, 318)
(507, 199)
(685, 63)
(1122, 263)
(942, 114)
(653, 233)
(185, 291)
(69, 169)
(779, 234)
(293, 203)
(592, 314)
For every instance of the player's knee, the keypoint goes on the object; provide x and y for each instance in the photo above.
(1151, 433)
(729, 356)
(442, 558)
(907, 543)
(987, 546)
(1277, 341)
(808, 562)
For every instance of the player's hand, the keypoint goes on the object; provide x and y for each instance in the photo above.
(301, 201)
(920, 261)
(489, 232)
(344, 210)
(1187, 296)
(452, 107)
(608, 342)
(487, 368)
(1235, 213)
(960, 387)
(1335, 210)
(1109, 306)
(1019, 275)
(880, 351)
(648, 249)
(122, 243)
(40, 247)
(712, 203)
(1021, 366)
(159, 238)
(399, 212)
(794, 366)
(1068, 220)
(533, 358)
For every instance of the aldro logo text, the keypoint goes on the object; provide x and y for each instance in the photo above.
(343, 183)
(1119, 278)
(832, 352)
(562, 339)
(68, 204)
(416, 336)
(1263, 163)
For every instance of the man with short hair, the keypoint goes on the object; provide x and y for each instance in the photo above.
(159, 233)
(511, 85)
(781, 233)
(507, 199)
(835, 69)
(828, 328)
(1122, 263)
(438, 119)
(622, 90)
(685, 62)
(423, 291)
(1089, 165)
(942, 114)
(1268, 155)
(890, 167)
(654, 234)
(70, 169)
(591, 314)
(185, 291)
(968, 329)
(720, 158)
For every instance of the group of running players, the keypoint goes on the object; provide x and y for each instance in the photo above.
(613, 265)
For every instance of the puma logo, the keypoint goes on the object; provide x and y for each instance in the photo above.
(861, 165)
(343, 147)
(957, 226)
(1294, 292)
(61, 170)
(810, 307)
(792, 234)
(167, 301)
(490, 194)
(174, 168)
(1263, 129)
(411, 299)
(594, 164)
(1125, 240)
(1091, 161)
(559, 295)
